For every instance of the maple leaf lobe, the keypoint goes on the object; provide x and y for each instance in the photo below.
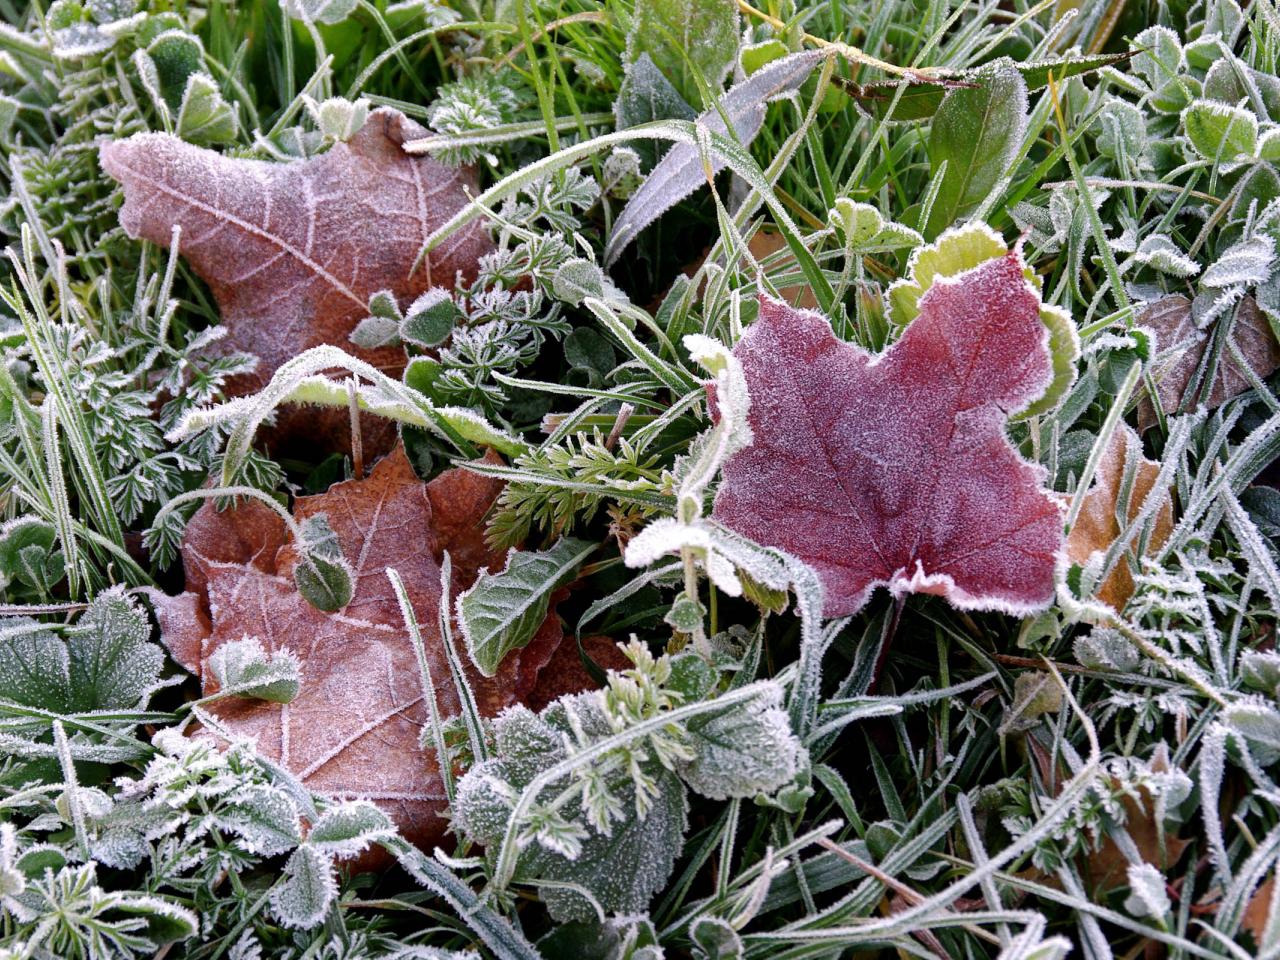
(894, 470)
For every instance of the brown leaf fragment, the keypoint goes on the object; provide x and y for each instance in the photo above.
(355, 728)
(293, 251)
(1257, 911)
(1108, 866)
(1181, 348)
(764, 244)
(1099, 526)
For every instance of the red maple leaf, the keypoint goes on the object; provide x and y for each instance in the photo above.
(895, 469)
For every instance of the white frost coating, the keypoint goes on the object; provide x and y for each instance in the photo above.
(668, 535)
(1160, 253)
(1248, 262)
(733, 401)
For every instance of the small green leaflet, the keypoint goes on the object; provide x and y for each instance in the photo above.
(502, 611)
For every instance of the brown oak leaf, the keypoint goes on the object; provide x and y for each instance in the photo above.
(354, 729)
(1098, 525)
(1182, 347)
(293, 251)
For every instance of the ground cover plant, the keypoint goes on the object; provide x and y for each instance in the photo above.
(637, 479)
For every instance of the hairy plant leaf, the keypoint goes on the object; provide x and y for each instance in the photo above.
(1181, 355)
(747, 749)
(355, 726)
(975, 132)
(684, 36)
(1099, 523)
(107, 662)
(294, 251)
(302, 896)
(895, 470)
(680, 172)
(502, 611)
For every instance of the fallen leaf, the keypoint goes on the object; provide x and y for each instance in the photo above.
(1098, 525)
(1181, 348)
(1108, 866)
(354, 730)
(894, 469)
(293, 251)
(1258, 910)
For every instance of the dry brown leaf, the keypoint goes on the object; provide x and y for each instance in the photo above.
(355, 727)
(293, 251)
(1108, 866)
(1184, 346)
(1258, 910)
(1098, 525)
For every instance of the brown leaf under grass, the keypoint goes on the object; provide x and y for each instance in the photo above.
(1182, 348)
(293, 251)
(355, 728)
(1098, 525)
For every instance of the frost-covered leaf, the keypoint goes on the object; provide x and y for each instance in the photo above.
(1160, 253)
(646, 95)
(1099, 523)
(346, 830)
(685, 39)
(975, 133)
(337, 117)
(1104, 649)
(107, 661)
(866, 231)
(1181, 349)
(1147, 894)
(714, 939)
(624, 870)
(1123, 131)
(1259, 723)
(503, 611)
(1244, 264)
(322, 574)
(1261, 670)
(264, 818)
(319, 11)
(205, 117)
(895, 470)
(747, 749)
(1034, 694)
(1220, 132)
(963, 249)
(301, 898)
(294, 251)
(1157, 55)
(244, 667)
(680, 172)
(355, 727)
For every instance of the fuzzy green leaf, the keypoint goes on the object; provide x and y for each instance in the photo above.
(502, 611)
